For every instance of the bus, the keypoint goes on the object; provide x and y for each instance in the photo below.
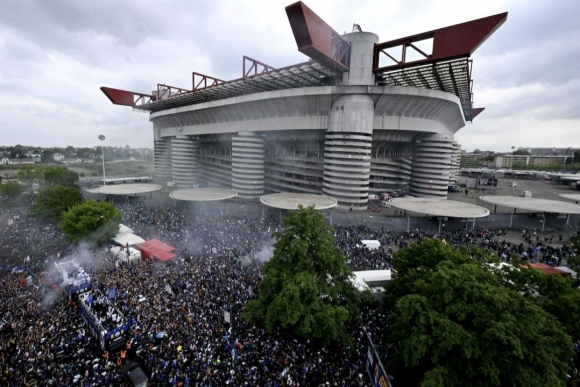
(71, 278)
(106, 323)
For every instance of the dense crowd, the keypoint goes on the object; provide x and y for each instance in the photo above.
(180, 337)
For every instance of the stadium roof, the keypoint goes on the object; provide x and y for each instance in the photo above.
(127, 189)
(291, 201)
(440, 207)
(446, 67)
(533, 204)
(203, 194)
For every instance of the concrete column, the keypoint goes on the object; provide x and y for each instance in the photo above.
(431, 166)
(184, 152)
(361, 59)
(248, 165)
(455, 160)
(347, 151)
(162, 157)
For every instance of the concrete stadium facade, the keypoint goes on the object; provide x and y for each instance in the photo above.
(339, 125)
(345, 141)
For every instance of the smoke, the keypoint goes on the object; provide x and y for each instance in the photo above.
(49, 298)
(265, 253)
(87, 258)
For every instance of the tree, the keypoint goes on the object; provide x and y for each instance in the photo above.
(522, 152)
(453, 322)
(29, 173)
(61, 176)
(11, 189)
(306, 289)
(574, 262)
(92, 221)
(52, 201)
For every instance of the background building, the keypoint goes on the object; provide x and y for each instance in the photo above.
(352, 120)
(508, 161)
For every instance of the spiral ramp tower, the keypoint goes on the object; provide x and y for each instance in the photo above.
(455, 159)
(162, 158)
(347, 151)
(431, 166)
(184, 151)
(248, 165)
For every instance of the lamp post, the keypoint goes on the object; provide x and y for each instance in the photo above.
(102, 138)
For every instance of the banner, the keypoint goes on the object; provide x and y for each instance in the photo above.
(375, 368)
(483, 182)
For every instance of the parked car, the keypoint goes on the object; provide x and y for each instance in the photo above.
(134, 374)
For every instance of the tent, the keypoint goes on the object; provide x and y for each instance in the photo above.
(124, 230)
(549, 270)
(128, 239)
(154, 249)
(567, 270)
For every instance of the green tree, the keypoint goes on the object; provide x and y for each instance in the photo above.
(306, 289)
(52, 201)
(11, 189)
(453, 322)
(60, 176)
(91, 221)
(29, 173)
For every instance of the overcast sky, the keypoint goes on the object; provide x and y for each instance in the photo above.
(55, 54)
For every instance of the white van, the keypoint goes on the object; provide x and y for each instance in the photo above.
(373, 197)
(527, 194)
(370, 244)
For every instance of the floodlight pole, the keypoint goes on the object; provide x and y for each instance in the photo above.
(102, 138)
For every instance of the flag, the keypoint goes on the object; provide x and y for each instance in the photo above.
(27, 259)
(168, 289)
(112, 293)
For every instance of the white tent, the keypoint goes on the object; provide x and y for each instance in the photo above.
(124, 230)
(128, 239)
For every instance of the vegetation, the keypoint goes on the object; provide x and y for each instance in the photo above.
(61, 176)
(456, 322)
(91, 221)
(11, 190)
(306, 289)
(52, 201)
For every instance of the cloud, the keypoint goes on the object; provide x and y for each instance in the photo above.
(54, 56)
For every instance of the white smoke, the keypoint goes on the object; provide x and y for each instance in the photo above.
(265, 253)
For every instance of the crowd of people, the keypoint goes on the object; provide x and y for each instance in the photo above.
(180, 336)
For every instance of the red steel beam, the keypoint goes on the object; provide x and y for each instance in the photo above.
(460, 40)
(126, 98)
(254, 67)
(204, 81)
(475, 112)
(316, 39)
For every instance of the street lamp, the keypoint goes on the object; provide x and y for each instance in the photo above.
(102, 138)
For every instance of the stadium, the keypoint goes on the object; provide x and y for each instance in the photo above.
(358, 117)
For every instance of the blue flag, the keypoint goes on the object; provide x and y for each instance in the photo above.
(112, 293)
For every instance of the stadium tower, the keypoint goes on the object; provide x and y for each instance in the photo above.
(359, 117)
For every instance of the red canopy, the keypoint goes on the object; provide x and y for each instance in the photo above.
(549, 270)
(155, 249)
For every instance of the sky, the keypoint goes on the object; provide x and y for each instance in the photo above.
(54, 56)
